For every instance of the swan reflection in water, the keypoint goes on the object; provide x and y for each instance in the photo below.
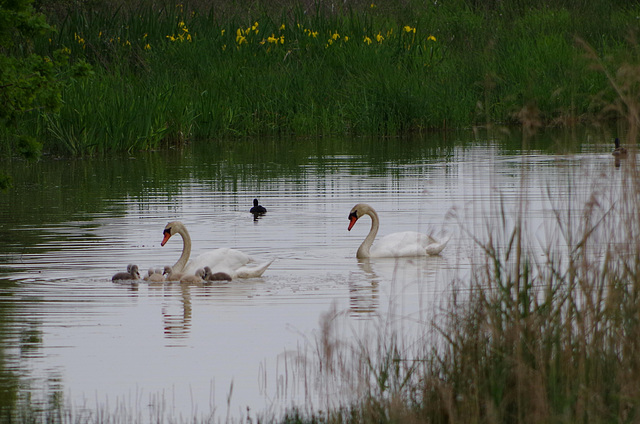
(177, 319)
(364, 296)
(418, 275)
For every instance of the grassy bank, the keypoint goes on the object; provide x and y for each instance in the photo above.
(173, 72)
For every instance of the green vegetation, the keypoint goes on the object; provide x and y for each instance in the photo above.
(172, 72)
(31, 83)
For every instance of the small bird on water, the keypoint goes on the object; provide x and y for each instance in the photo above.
(619, 151)
(131, 274)
(257, 209)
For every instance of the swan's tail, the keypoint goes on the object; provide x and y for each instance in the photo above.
(250, 271)
(438, 246)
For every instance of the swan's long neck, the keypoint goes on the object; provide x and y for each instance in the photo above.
(186, 250)
(365, 247)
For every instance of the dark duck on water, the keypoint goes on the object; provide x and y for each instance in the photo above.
(257, 209)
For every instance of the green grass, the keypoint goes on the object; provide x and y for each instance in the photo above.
(170, 73)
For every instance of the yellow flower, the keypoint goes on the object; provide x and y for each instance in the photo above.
(407, 28)
(272, 39)
(431, 37)
(240, 38)
(282, 39)
(79, 39)
(373, 6)
(147, 46)
(379, 38)
(346, 38)
(335, 36)
(282, 27)
(367, 40)
(222, 32)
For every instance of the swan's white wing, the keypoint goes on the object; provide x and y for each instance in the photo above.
(223, 259)
(249, 271)
(437, 246)
(408, 243)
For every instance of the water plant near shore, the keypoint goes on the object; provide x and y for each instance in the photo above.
(169, 73)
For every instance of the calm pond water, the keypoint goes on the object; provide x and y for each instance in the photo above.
(69, 334)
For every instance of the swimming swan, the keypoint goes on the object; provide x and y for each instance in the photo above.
(234, 262)
(154, 276)
(198, 277)
(215, 276)
(131, 274)
(170, 275)
(408, 243)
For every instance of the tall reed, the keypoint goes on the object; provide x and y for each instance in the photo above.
(173, 72)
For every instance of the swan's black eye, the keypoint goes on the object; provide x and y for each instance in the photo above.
(167, 231)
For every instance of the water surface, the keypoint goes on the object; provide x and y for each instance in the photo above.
(68, 332)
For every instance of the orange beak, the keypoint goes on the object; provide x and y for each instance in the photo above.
(167, 235)
(352, 221)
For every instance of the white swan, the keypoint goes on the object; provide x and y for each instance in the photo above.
(234, 262)
(408, 243)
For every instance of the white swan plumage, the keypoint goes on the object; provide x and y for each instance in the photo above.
(403, 244)
(234, 262)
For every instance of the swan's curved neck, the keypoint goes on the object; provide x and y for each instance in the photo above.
(186, 250)
(365, 247)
